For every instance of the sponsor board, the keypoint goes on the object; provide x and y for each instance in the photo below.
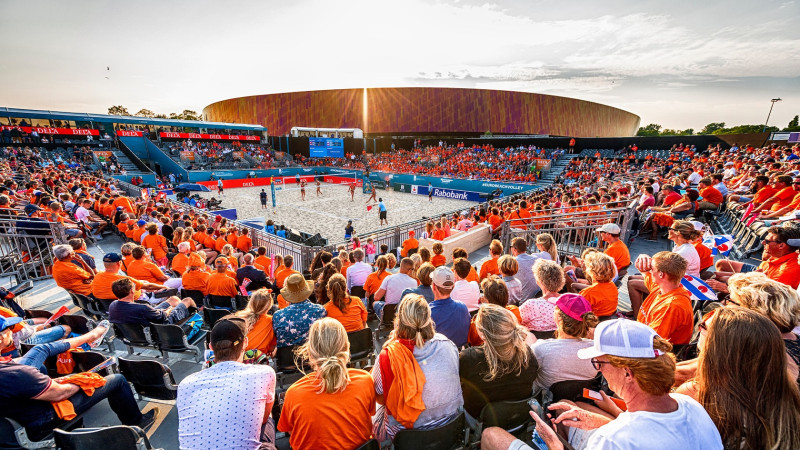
(513, 187)
(455, 194)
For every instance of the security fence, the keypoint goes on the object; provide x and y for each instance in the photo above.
(26, 246)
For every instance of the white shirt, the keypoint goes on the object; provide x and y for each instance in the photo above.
(687, 428)
(558, 360)
(689, 253)
(224, 405)
(394, 285)
(467, 292)
(82, 214)
(694, 178)
(357, 274)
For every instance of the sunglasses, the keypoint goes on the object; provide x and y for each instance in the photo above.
(597, 364)
(767, 241)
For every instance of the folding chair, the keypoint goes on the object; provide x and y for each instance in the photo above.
(117, 437)
(149, 378)
(362, 347)
(452, 435)
(171, 339)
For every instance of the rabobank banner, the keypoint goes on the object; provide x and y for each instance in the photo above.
(454, 194)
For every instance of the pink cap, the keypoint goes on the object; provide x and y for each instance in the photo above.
(574, 305)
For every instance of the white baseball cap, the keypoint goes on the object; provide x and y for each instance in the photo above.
(624, 338)
(443, 277)
(611, 228)
(697, 225)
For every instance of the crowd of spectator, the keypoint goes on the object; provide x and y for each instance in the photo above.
(462, 337)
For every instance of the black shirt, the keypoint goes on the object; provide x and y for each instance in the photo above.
(472, 367)
(19, 387)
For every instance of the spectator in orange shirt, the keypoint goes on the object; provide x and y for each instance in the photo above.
(348, 310)
(143, 269)
(157, 244)
(139, 231)
(196, 278)
(602, 294)
(779, 260)
(438, 258)
(333, 406)
(668, 308)
(70, 272)
(712, 197)
(438, 232)
(220, 283)
(490, 267)
(460, 252)
(181, 261)
(258, 321)
(286, 270)
(244, 244)
(409, 244)
(782, 197)
(101, 285)
(374, 280)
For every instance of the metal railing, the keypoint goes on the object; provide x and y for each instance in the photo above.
(26, 247)
(573, 232)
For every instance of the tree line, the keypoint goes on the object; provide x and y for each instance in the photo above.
(187, 114)
(654, 129)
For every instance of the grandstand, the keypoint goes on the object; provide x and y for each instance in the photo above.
(514, 190)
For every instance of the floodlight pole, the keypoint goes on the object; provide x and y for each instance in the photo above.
(774, 100)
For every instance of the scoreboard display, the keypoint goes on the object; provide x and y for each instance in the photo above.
(326, 147)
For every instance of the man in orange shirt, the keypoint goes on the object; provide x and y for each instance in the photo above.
(157, 244)
(181, 261)
(780, 261)
(616, 249)
(220, 283)
(243, 242)
(489, 267)
(409, 244)
(101, 285)
(70, 272)
(794, 205)
(124, 202)
(495, 220)
(221, 240)
(782, 198)
(263, 260)
(143, 269)
(712, 197)
(139, 231)
(668, 308)
(280, 277)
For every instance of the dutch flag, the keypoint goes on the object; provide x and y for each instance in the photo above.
(700, 290)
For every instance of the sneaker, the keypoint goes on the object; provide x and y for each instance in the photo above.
(107, 326)
(98, 236)
(148, 419)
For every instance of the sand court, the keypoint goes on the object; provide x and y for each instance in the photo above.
(328, 214)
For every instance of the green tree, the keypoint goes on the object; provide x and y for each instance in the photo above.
(145, 113)
(118, 110)
(712, 127)
(649, 130)
(188, 114)
(793, 124)
(745, 129)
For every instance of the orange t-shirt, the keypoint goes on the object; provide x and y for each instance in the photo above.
(101, 285)
(764, 194)
(784, 198)
(603, 297)
(619, 251)
(669, 314)
(145, 271)
(711, 195)
(280, 277)
(221, 284)
(157, 243)
(784, 270)
(495, 221)
(489, 268)
(125, 202)
(321, 421)
(126, 262)
(71, 277)
(261, 336)
(473, 275)
(219, 243)
(137, 234)
(438, 235)
(179, 263)
(196, 280)
(438, 260)
(373, 282)
(355, 317)
(265, 262)
(244, 243)
(408, 244)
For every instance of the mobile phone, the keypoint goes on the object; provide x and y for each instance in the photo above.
(594, 395)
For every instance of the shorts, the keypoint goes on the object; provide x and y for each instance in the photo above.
(748, 268)
(519, 445)
(383, 215)
(72, 232)
(745, 199)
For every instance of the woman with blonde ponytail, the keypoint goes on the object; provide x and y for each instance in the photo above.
(416, 377)
(258, 322)
(501, 369)
(332, 407)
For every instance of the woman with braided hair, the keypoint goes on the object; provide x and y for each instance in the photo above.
(331, 407)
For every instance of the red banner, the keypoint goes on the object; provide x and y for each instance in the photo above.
(127, 133)
(48, 130)
(215, 137)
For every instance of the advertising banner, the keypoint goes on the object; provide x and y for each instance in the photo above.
(187, 156)
(56, 131)
(455, 194)
(215, 137)
(104, 153)
(129, 133)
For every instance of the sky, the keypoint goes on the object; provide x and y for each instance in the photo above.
(681, 64)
